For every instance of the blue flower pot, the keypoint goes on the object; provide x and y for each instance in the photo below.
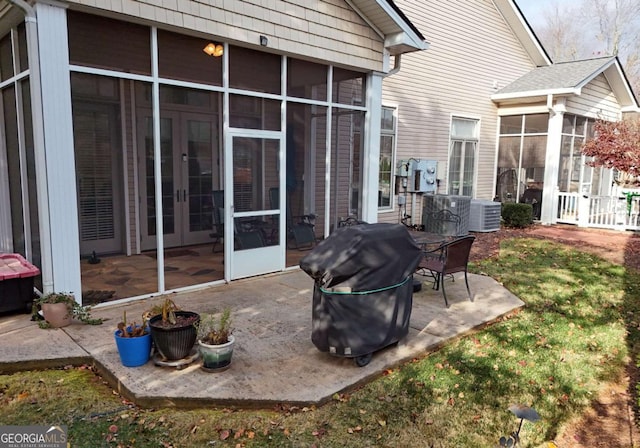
(133, 352)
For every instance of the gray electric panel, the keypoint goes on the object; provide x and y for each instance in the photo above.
(484, 216)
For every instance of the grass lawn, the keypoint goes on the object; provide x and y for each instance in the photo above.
(577, 331)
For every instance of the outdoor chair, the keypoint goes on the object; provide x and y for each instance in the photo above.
(249, 239)
(447, 259)
(300, 229)
(443, 222)
(350, 221)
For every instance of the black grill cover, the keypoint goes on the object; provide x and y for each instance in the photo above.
(363, 288)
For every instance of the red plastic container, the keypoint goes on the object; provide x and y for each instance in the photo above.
(16, 283)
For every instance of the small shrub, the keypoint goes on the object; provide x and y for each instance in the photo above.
(517, 215)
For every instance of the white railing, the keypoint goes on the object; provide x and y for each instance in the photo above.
(610, 212)
(568, 208)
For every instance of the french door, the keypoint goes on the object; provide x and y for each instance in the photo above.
(189, 151)
(255, 237)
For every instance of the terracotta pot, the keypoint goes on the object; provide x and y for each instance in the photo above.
(56, 314)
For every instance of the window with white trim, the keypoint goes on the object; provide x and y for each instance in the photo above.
(387, 155)
(462, 156)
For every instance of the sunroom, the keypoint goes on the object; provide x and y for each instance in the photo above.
(153, 157)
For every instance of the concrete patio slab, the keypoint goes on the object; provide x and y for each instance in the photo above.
(274, 362)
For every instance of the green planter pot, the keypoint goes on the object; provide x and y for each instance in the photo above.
(216, 358)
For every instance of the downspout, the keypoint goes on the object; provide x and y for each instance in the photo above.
(31, 26)
(396, 66)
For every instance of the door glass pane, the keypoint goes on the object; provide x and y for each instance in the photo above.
(255, 188)
(200, 169)
(167, 178)
(166, 158)
(255, 171)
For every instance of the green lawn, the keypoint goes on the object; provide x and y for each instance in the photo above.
(578, 327)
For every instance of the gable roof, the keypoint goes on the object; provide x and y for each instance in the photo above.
(524, 33)
(568, 78)
(384, 16)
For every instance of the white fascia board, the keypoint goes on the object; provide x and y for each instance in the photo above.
(619, 84)
(523, 32)
(399, 43)
(540, 93)
(410, 37)
(409, 40)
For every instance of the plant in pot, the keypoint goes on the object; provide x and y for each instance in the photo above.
(215, 341)
(173, 330)
(58, 310)
(133, 341)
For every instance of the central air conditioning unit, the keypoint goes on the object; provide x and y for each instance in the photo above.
(485, 216)
(460, 205)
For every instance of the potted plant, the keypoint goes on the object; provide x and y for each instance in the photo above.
(59, 308)
(215, 341)
(133, 341)
(173, 331)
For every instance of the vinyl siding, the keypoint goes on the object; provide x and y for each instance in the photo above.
(596, 101)
(322, 30)
(471, 50)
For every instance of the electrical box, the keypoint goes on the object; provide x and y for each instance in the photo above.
(422, 176)
(402, 168)
(419, 176)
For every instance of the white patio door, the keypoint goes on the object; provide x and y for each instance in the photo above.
(188, 143)
(254, 232)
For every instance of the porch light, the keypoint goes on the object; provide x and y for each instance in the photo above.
(214, 50)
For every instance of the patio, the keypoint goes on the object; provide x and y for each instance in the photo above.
(274, 361)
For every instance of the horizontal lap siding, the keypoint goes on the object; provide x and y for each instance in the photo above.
(470, 47)
(596, 101)
(324, 30)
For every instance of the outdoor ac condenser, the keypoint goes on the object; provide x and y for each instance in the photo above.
(460, 205)
(484, 216)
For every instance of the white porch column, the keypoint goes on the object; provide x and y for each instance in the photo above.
(58, 148)
(371, 156)
(551, 165)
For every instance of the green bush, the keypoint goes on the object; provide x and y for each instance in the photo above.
(517, 215)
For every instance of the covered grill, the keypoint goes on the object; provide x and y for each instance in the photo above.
(363, 289)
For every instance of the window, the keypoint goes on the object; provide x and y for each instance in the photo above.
(462, 156)
(387, 147)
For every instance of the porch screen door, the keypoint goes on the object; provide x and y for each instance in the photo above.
(254, 232)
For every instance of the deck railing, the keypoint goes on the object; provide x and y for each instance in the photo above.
(610, 212)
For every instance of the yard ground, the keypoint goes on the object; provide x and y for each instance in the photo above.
(612, 419)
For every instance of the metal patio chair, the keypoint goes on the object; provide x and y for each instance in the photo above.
(448, 259)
